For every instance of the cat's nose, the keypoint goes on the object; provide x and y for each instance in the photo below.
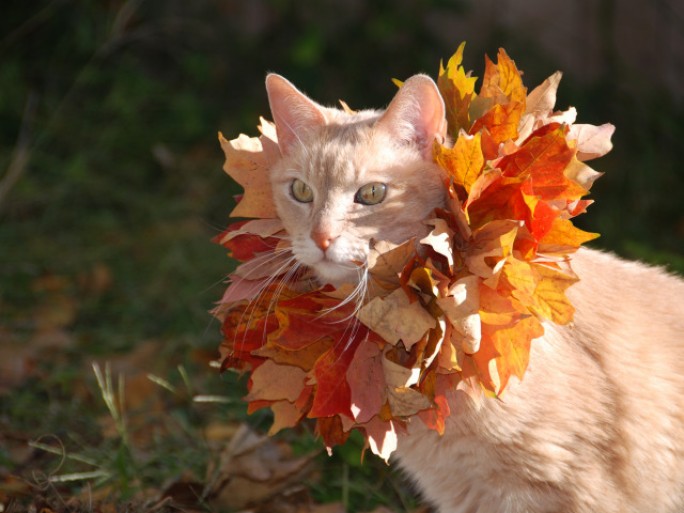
(322, 239)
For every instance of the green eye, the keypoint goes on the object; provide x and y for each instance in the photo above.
(301, 192)
(371, 193)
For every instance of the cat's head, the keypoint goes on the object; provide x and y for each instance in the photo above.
(346, 179)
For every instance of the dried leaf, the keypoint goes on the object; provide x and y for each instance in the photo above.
(247, 163)
(395, 318)
(273, 382)
(461, 307)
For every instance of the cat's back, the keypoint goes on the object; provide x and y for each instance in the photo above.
(597, 423)
(631, 317)
(629, 320)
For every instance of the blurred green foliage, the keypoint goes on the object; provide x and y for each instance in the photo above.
(110, 165)
(120, 102)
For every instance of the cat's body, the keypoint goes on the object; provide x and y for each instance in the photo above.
(596, 425)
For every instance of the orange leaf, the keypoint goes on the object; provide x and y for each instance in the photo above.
(503, 78)
(564, 236)
(464, 162)
(512, 345)
(551, 301)
(457, 89)
(501, 121)
(332, 432)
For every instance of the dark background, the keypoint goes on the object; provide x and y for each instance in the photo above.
(109, 112)
(111, 184)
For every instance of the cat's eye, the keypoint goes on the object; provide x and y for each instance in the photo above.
(371, 193)
(301, 191)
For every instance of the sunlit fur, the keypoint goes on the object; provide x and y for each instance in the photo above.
(597, 424)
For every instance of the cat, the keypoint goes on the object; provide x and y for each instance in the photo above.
(597, 423)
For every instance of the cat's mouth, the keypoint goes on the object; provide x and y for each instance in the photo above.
(336, 273)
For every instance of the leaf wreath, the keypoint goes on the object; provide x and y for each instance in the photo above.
(460, 314)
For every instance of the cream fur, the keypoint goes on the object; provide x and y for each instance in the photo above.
(596, 425)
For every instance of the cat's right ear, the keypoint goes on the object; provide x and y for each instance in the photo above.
(293, 112)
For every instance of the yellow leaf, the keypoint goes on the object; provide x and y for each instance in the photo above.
(564, 236)
(457, 88)
(550, 300)
(503, 78)
(464, 162)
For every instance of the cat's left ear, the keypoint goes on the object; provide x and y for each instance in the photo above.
(416, 114)
(293, 112)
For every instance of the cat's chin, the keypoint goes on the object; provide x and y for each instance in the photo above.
(335, 274)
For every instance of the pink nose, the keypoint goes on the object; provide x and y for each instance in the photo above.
(322, 239)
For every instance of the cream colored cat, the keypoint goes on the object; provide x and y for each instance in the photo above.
(596, 425)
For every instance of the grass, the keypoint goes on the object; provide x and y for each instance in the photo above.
(111, 189)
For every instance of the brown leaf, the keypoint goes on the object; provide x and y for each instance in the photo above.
(253, 469)
(395, 318)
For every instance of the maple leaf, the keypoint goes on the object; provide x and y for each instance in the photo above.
(248, 160)
(440, 239)
(243, 244)
(366, 380)
(464, 162)
(395, 318)
(501, 100)
(382, 437)
(550, 299)
(461, 308)
(457, 310)
(272, 382)
(457, 89)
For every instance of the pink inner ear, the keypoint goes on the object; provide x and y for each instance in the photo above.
(416, 114)
(293, 112)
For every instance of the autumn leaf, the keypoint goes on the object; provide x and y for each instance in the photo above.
(455, 310)
(464, 162)
(382, 437)
(248, 160)
(274, 382)
(244, 245)
(366, 381)
(461, 308)
(440, 239)
(550, 299)
(333, 395)
(501, 100)
(457, 88)
(500, 122)
(395, 318)
(503, 78)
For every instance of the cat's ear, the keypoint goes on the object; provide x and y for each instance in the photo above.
(293, 112)
(416, 114)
